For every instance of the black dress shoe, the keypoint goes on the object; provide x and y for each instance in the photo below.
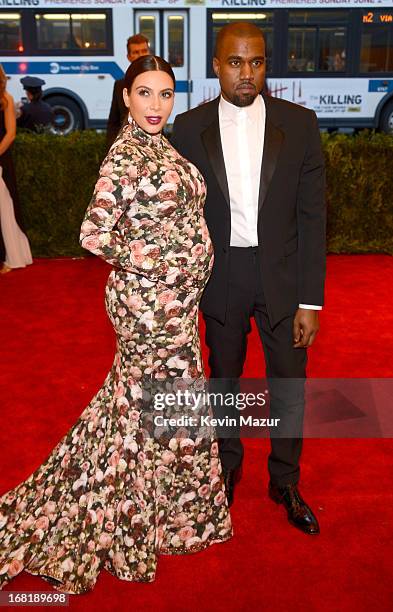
(230, 478)
(299, 513)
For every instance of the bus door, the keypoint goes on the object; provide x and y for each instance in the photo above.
(167, 31)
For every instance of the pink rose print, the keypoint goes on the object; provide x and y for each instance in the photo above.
(185, 533)
(171, 176)
(91, 517)
(42, 523)
(81, 569)
(88, 227)
(193, 542)
(114, 459)
(91, 243)
(105, 184)
(100, 516)
(214, 449)
(134, 302)
(180, 519)
(142, 567)
(168, 457)
(105, 540)
(132, 172)
(109, 526)
(49, 507)
(167, 192)
(118, 560)
(219, 498)
(173, 309)
(139, 484)
(37, 536)
(138, 259)
(204, 490)
(67, 565)
(166, 296)
(197, 250)
(107, 169)
(110, 513)
(27, 523)
(15, 567)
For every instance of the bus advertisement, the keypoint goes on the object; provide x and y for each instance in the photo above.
(333, 56)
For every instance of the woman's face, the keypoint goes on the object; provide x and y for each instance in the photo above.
(150, 100)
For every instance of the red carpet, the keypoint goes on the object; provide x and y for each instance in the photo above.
(56, 348)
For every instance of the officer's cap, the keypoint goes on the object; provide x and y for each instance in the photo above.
(29, 82)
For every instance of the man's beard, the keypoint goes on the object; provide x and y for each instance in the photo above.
(244, 99)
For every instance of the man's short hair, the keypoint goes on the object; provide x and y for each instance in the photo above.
(137, 39)
(239, 29)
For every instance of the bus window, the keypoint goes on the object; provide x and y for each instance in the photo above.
(317, 41)
(147, 25)
(10, 32)
(78, 32)
(376, 53)
(175, 25)
(53, 31)
(332, 46)
(89, 30)
(264, 20)
(301, 50)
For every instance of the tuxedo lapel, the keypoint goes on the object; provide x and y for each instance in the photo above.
(271, 149)
(212, 142)
(274, 137)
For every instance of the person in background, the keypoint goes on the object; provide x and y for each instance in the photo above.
(35, 114)
(137, 46)
(14, 246)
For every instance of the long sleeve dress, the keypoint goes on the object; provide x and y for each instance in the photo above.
(110, 495)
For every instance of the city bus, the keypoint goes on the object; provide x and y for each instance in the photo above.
(333, 56)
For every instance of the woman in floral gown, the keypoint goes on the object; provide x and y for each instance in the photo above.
(111, 495)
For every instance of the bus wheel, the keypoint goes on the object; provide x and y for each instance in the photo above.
(386, 123)
(67, 115)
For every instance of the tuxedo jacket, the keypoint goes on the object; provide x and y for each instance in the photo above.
(118, 112)
(291, 205)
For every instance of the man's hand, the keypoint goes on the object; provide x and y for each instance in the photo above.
(305, 327)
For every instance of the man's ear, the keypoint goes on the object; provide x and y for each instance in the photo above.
(216, 67)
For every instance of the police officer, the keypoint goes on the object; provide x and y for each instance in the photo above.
(34, 114)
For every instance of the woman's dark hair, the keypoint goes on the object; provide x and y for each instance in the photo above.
(146, 63)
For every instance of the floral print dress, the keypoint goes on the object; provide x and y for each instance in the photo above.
(110, 495)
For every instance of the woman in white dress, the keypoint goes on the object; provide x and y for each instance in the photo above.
(14, 246)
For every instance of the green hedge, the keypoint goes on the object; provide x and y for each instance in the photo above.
(56, 177)
(359, 192)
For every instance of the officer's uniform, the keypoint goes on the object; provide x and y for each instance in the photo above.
(35, 114)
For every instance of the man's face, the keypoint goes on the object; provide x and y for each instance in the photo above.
(241, 68)
(137, 50)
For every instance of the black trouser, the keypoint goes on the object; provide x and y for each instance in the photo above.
(228, 345)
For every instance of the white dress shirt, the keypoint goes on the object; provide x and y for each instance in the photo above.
(242, 135)
(242, 132)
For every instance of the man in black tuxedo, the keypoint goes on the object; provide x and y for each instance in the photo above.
(137, 46)
(265, 210)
